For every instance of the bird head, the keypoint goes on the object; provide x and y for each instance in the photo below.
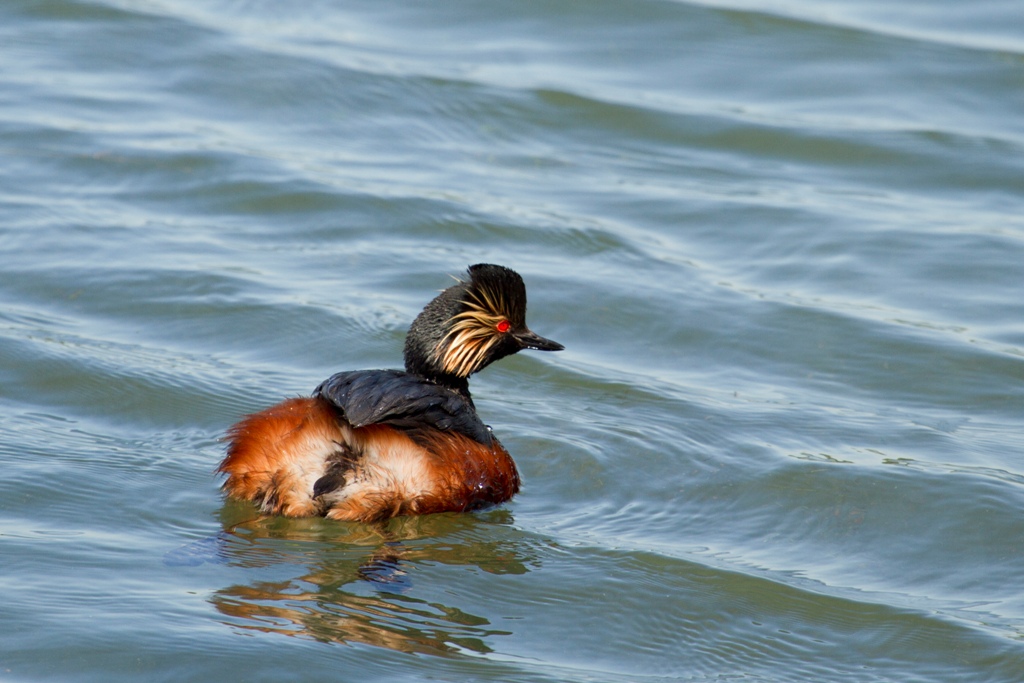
(472, 324)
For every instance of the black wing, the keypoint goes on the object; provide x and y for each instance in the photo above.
(404, 401)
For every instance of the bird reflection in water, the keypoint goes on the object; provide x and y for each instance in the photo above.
(355, 581)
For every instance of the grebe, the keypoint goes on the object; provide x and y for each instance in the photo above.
(373, 444)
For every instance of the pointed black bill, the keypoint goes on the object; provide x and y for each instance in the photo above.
(529, 340)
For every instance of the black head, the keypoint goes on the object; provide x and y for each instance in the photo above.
(472, 324)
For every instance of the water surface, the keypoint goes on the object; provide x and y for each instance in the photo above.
(782, 243)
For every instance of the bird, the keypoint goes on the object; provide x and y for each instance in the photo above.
(369, 445)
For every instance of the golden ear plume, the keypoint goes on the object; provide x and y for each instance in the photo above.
(473, 332)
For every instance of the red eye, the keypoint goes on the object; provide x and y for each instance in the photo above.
(503, 326)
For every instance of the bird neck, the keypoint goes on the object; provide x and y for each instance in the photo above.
(459, 385)
(419, 363)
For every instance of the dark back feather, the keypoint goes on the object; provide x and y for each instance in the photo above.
(404, 401)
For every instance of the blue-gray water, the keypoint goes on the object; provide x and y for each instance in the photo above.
(783, 244)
